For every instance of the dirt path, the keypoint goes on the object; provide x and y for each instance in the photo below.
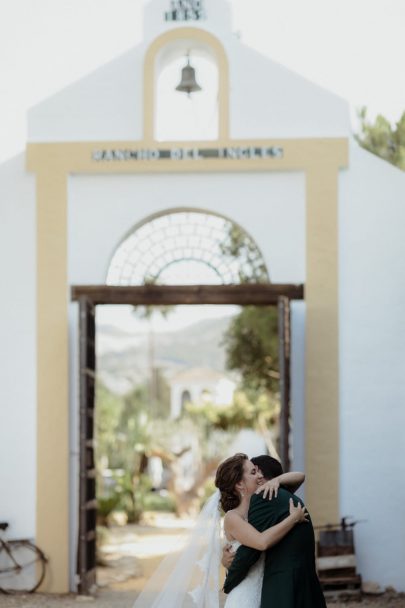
(124, 599)
(132, 554)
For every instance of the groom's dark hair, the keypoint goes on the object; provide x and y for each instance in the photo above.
(269, 466)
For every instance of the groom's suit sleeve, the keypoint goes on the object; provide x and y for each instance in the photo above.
(262, 515)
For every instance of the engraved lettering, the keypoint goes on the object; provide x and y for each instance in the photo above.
(248, 152)
(175, 154)
(232, 153)
(97, 155)
(185, 10)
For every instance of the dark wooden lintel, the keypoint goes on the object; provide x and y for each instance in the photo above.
(245, 294)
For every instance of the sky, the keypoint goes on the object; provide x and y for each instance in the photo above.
(353, 48)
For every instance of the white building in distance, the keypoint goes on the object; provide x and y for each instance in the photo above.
(199, 385)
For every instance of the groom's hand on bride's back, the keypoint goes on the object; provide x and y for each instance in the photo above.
(227, 556)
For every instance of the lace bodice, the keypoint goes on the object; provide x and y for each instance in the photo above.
(234, 544)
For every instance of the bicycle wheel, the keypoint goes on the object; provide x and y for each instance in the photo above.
(22, 567)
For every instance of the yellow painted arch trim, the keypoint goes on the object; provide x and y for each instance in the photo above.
(321, 160)
(149, 98)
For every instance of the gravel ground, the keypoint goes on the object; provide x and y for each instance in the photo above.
(124, 599)
(130, 555)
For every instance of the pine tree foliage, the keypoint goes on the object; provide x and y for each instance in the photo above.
(382, 138)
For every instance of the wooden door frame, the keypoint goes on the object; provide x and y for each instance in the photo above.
(284, 344)
(90, 296)
(86, 554)
(259, 294)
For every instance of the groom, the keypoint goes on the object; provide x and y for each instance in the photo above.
(290, 579)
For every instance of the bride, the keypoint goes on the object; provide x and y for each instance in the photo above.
(191, 579)
(238, 479)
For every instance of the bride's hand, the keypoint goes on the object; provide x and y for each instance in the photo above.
(270, 488)
(298, 512)
(228, 556)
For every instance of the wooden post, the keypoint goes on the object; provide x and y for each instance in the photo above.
(284, 336)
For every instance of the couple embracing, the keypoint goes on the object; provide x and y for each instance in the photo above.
(269, 551)
(274, 539)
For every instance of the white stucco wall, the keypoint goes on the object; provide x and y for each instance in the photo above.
(270, 101)
(270, 207)
(267, 100)
(18, 349)
(105, 105)
(372, 363)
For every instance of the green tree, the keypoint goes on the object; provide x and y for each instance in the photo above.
(108, 416)
(242, 413)
(382, 138)
(135, 431)
(251, 346)
(259, 412)
(239, 245)
(123, 437)
(122, 428)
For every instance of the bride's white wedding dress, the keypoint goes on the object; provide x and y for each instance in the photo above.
(191, 579)
(248, 592)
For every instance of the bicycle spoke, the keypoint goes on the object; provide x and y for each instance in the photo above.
(30, 570)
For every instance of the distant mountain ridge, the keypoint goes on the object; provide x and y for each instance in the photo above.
(123, 358)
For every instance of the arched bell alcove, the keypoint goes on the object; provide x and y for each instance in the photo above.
(182, 116)
(172, 48)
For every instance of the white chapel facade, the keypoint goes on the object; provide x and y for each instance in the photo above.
(280, 161)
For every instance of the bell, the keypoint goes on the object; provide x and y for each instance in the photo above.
(188, 83)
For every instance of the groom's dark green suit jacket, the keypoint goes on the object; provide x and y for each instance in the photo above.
(290, 579)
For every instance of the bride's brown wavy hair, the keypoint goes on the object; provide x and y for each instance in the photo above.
(229, 473)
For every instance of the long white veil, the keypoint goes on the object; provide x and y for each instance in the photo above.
(190, 579)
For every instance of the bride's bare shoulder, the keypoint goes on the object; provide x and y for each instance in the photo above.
(230, 520)
(231, 517)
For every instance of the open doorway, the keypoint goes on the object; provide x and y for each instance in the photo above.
(90, 297)
(189, 260)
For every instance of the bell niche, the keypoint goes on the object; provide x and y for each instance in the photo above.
(186, 92)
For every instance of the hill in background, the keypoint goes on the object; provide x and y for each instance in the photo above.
(123, 358)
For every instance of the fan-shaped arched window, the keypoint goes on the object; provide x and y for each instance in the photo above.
(185, 247)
